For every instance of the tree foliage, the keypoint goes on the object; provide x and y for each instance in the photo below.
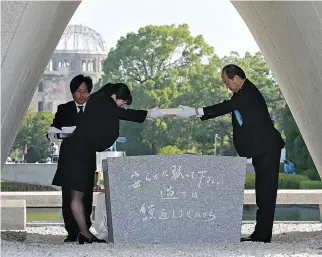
(166, 66)
(32, 134)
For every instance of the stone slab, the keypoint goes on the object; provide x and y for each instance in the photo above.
(289, 196)
(13, 214)
(39, 198)
(175, 199)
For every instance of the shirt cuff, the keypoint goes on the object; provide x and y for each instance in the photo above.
(200, 112)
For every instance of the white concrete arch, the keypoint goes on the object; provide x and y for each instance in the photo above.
(30, 32)
(289, 35)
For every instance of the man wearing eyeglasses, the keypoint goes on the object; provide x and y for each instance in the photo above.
(255, 137)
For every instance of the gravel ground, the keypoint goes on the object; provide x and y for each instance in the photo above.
(289, 240)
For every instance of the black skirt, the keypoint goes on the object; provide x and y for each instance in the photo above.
(76, 165)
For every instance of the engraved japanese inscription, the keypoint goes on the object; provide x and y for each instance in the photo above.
(176, 198)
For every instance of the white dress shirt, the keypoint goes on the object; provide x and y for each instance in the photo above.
(84, 104)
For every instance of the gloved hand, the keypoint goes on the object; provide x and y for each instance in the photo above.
(155, 113)
(68, 130)
(186, 112)
(52, 133)
(52, 136)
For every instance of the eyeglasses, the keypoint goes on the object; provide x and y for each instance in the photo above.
(227, 82)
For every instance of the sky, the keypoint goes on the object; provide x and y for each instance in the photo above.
(217, 20)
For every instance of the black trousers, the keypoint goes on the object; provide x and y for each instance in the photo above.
(266, 183)
(69, 220)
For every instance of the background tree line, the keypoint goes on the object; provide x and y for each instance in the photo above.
(166, 66)
(31, 139)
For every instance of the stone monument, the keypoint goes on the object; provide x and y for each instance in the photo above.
(179, 199)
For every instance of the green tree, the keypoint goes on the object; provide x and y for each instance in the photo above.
(170, 149)
(206, 88)
(32, 133)
(156, 62)
(165, 66)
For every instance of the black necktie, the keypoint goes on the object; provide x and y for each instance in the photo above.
(81, 111)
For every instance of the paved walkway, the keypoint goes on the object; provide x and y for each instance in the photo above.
(289, 239)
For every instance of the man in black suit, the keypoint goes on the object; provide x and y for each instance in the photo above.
(255, 137)
(69, 115)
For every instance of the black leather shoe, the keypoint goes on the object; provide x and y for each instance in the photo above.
(254, 239)
(83, 239)
(70, 238)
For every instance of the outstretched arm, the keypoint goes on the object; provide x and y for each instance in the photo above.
(220, 109)
(132, 115)
(139, 115)
(212, 111)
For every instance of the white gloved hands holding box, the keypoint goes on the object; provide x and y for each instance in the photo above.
(52, 133)
(52, 136)
(186, 112)
(155, 113)
(68, 130)
(181, 112)
(55, 133)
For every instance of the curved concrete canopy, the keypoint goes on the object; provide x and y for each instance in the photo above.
(289, 35)
(30, 32)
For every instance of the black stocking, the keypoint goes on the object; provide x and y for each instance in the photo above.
(78, 211)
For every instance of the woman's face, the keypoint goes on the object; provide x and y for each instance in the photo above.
(119, 102)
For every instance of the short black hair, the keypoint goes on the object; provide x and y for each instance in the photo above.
(232, 70)
(121, 91)
(78, 80)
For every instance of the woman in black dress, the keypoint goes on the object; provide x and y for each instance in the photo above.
(97, 130)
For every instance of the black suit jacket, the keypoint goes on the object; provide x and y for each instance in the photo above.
(257, 131)
(67, 116)
(100, 123)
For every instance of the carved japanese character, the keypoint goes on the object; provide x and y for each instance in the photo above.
(176, 172)
(163, 215)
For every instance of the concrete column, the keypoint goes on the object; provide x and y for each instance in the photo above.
(95, 64)
(30, 32)
(289, 35)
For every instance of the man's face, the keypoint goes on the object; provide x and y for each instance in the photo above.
(119, 102)
(81, 94)
(232, 84)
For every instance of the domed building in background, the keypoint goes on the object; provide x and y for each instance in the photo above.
(81, 50)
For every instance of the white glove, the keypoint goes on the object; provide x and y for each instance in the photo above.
(52, 136)
(155, 113)
(52, 133)
(68, 130)
(186, 112)
(54, 130)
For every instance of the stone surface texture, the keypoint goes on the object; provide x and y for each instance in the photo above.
(13, 214)
(176, 198)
